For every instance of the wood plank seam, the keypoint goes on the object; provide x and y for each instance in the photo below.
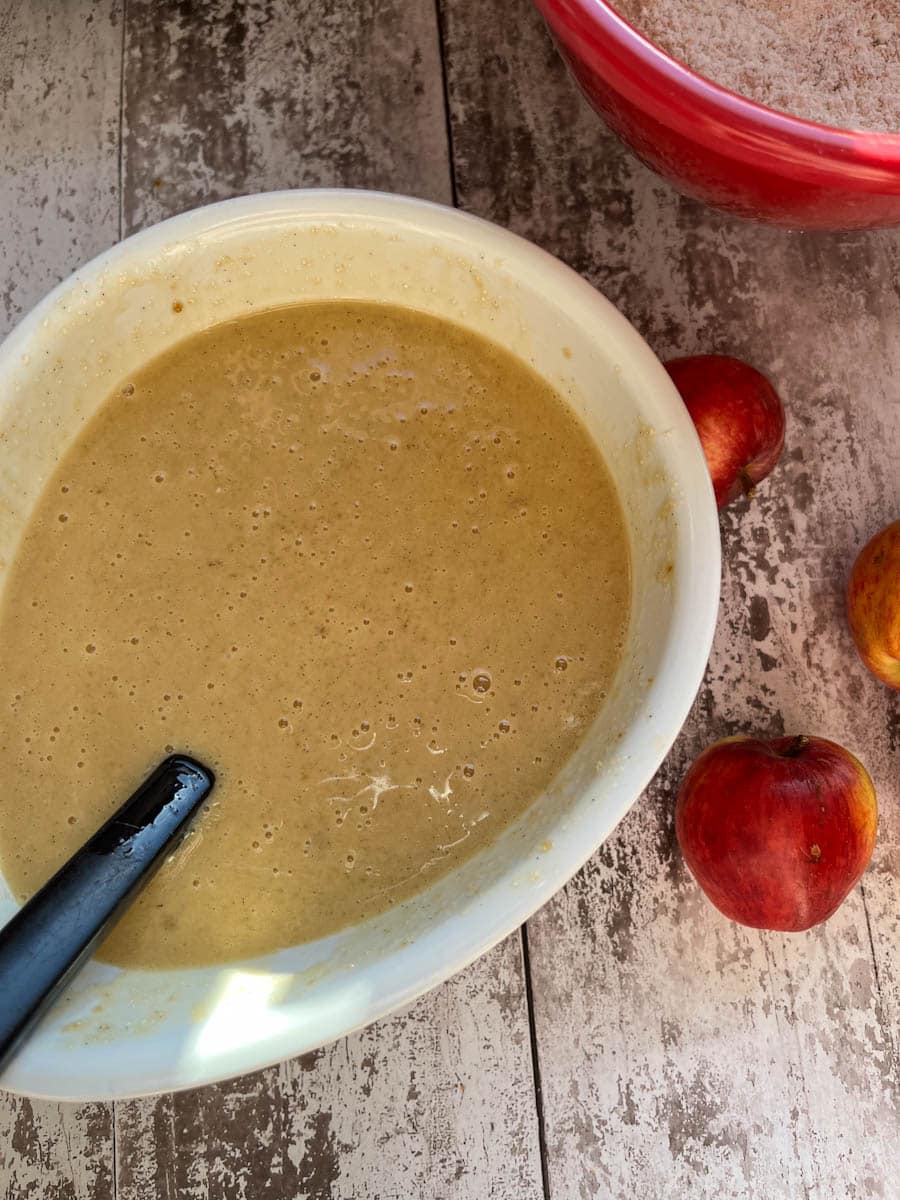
(879, 995)
(535, 1063)
(445, 91)
(120, 149)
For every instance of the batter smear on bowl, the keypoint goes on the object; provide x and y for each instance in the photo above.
(838, 64)
(365, 563)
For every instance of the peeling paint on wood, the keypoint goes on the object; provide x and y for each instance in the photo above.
(408, 1107)
(681, 1054)
(55, 1151)
(59, 122)
(265, 94)
(59, 114)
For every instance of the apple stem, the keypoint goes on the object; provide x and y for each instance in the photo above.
(797, 746)
(747, 483)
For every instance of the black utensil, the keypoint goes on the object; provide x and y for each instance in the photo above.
(50, 938)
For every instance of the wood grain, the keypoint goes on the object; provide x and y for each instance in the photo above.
(253, 96)
(59, 117)
(59, 121)
(680, 1053)
(55, 1151)
(406, 1108)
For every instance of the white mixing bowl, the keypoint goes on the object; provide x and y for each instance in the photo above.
(122, 1033)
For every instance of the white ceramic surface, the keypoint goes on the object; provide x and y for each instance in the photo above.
(121, 1033)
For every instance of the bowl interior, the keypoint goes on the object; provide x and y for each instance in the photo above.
(118, 1033)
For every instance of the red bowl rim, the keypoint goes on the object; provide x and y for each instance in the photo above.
(703, 109)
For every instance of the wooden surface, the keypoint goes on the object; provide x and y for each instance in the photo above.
(634, 1044)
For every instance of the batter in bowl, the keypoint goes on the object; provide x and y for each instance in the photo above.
(364, 563)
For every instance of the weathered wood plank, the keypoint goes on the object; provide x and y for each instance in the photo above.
(59, 105)
(438, 1102)
(59, 98)
(252, 96)
(435, 1102)
(680, 1053)
(55, 1151)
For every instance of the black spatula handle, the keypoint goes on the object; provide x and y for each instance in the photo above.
(48, 939)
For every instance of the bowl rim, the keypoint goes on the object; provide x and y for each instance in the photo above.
(669, 696)
(706, 111)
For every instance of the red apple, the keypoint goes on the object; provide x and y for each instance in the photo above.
(776, 832)
(873, 605)
(739, 419)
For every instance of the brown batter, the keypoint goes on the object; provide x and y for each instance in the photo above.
(364, 563)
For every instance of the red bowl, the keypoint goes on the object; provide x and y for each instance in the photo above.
(720, 147)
